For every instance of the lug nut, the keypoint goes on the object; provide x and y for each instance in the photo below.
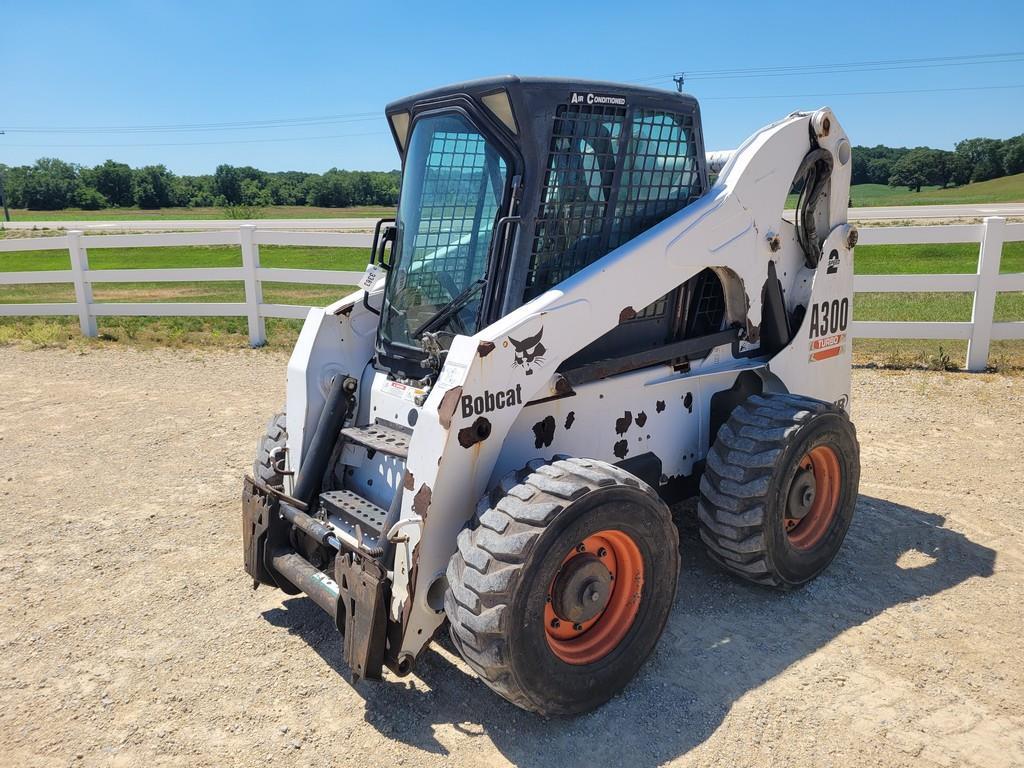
(577, 627)
(602, 552)
(581, 547)
(555, 623)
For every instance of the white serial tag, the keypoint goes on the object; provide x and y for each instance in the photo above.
(370, 276)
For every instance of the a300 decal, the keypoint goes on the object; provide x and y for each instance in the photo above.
(829, 317)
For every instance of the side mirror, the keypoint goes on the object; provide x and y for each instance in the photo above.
(381, 239)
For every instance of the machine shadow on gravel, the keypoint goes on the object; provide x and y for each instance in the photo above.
(724, 638)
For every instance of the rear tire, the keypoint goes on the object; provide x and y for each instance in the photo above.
(553, 538)
(779, 489)
(269, 451)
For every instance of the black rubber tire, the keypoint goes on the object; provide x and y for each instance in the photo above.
(749, 470)
(275, 438)
(498, 580)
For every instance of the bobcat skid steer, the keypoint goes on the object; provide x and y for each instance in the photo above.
(566, 329)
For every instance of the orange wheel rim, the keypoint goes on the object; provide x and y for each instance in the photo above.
(594, 598)
(813, 498)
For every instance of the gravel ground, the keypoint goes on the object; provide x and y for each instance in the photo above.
(129, 634)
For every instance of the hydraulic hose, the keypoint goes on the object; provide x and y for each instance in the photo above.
(332, 418)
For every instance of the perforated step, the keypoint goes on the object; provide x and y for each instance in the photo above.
(362, 520)
(380, 437)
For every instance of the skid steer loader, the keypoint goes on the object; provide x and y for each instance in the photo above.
(567, 328)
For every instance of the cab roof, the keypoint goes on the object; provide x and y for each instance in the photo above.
(558, 88)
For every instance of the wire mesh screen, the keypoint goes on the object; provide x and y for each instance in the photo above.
(570, 233)
(452, 186)
(611, 175)
(456, 213)
(659, 174)
(707, 309)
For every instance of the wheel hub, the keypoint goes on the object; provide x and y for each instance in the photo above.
(801, 495)
(813, 497)
(581, 590)
(594, 597)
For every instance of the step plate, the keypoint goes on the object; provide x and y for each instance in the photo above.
(348, 511)
(380, 437)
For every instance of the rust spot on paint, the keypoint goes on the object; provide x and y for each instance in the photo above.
(659, 406)
(621, 449)
(623, 424)
(641, 418)
(544, 432)
(563, 387)
(421, 501)
(628, 313)
(484, 348)
(414, 572)
(409, 482)
(449, 402)
(475, 432)
(570, 419)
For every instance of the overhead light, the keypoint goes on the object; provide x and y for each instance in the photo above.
(500, 105)
(400, 125)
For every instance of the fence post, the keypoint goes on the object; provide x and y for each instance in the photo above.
(253, 289)
(985, 294)
(83, 288)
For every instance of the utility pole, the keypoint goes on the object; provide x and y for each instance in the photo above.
(3, 197)
(679, 80)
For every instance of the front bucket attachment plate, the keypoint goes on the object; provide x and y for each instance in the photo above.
(362, 584)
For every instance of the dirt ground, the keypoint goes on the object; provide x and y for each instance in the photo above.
(129, 634)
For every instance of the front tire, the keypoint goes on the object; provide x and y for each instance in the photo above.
(266, 467)
(779, 489)
(560, 590)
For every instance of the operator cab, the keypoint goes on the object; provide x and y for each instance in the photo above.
(511, 185)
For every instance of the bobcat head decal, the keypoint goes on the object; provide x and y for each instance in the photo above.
(529, 352)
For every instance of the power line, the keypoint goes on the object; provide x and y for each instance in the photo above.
(296, 139)
(290, 122)
(880, 65)
(876, 65)
(859, 93)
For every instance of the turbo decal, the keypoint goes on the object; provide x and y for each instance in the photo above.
(829, 346)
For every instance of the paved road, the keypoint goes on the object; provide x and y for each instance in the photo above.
(923, 212)
(172, 225)
(937, 211)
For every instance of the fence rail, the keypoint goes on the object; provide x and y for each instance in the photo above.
(246, 237)
(979, 332)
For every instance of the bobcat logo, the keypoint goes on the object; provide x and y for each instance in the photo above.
(528, 352)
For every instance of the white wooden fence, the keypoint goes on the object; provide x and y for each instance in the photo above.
(985, 283)
(250, 273)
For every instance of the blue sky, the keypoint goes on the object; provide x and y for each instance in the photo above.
(157, 62)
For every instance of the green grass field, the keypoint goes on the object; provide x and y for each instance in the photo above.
(1009, 189)
(878, 259)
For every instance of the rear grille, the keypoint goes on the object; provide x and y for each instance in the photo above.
(611, 174)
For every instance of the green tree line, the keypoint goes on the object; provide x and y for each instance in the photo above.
(51, 184)
(971, 160)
